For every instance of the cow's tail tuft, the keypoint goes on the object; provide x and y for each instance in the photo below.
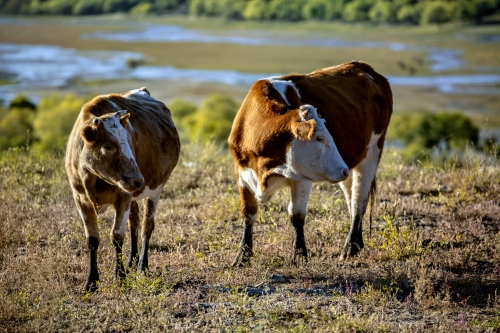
(373, 194)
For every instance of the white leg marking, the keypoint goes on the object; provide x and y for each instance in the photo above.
(346, 186)
(120, 225)
(363, 175)
(299, 197)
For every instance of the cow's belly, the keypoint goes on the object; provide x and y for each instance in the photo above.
(248, 179)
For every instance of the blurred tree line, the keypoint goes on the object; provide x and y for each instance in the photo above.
(420, 136)
(376, 11)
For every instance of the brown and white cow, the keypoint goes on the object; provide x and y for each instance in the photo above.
(294, 130)
(122, 148)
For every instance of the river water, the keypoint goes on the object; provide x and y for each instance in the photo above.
(42, 66)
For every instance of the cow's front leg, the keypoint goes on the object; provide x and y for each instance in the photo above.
(148, 225)
(89, 217)
(298, 210)
(122, 211)
(133, 221)
(249, 208)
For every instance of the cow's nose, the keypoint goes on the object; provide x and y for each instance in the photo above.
(345, 173)
(138, 183)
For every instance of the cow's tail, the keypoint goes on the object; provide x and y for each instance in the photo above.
(371, 201)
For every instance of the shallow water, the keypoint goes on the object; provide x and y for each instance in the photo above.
(440, 59)
(42, 66)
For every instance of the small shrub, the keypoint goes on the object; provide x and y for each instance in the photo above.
(357, 10)
(142, 8)
(212, 121)
(256, 10)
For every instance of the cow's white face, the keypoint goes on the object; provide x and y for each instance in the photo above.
(312, 154)
(108, 151)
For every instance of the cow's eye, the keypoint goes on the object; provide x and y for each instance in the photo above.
(320, 138)
(109, 147)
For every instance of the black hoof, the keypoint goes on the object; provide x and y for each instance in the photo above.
(300, 257)
(91, 287)
(350, 250)
(242, 259)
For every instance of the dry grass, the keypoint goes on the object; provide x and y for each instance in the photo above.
(431, 264)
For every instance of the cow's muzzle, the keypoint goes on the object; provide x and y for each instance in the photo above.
(132, 184)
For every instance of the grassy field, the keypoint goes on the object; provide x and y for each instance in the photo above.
(431, 263)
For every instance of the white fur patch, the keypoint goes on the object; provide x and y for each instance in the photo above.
(363, 175)
(120, 229)
(138, 94)
(149, 193)
(281, 87)
(248, 179)
(113, 126)
(299, 197)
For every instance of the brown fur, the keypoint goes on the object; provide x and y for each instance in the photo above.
(356, 103)
(352, 104)
(93, 152)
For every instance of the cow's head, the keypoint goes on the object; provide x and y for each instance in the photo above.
(312, 154)
(108, 152)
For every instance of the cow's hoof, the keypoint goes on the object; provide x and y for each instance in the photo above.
(91, 287)
(350, 250)
(242, 259)
(299, 260)
(300, 257)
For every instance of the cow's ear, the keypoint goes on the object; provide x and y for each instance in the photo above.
(89, 133)
(304, 130)
(124, 119)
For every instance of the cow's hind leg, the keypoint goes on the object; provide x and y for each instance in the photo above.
(122, 208)
(357, 192)
(133, 222)
(148, 225)
(297, 209)
(249, 208)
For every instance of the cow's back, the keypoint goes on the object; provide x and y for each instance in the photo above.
(355, 101)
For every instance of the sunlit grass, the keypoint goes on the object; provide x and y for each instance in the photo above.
(430, 263)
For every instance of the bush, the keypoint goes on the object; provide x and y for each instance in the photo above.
(54, 121)
(437, 12)
(166, 4)
(287, 10)
(408, 14)
(477, 9)
(256, 10)
(383, 12)
(444, 131)
(212, 121)
(20, 102)
(57, 7)
(15, 128)
(316, 9)
(141, 9)
(85, 7)
(180, 109)
(357, 10)
(233, 9)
